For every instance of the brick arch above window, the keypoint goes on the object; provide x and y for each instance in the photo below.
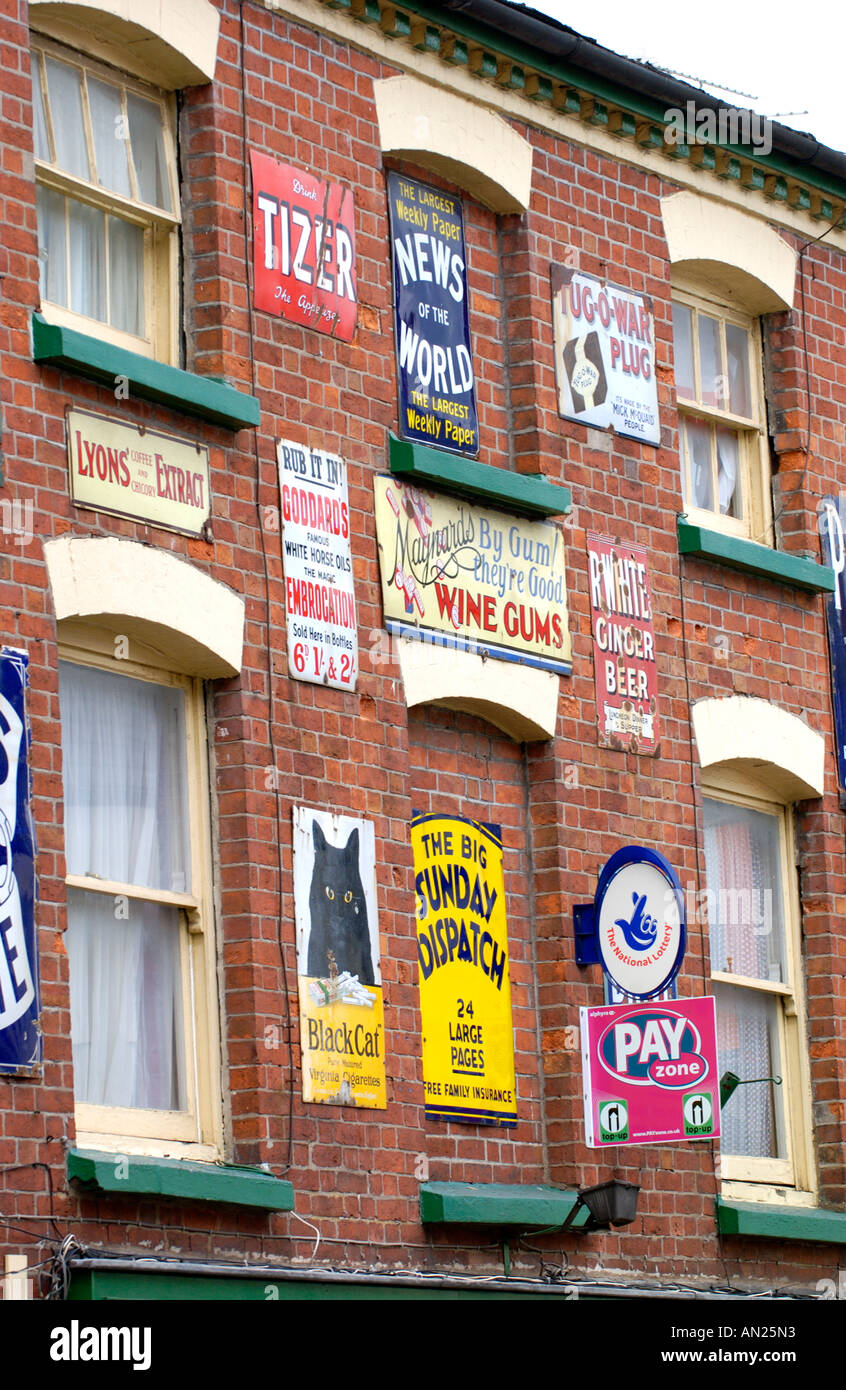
(194, 623)
(170, 42)
(720, 250)
(465, 143)
(760, 740)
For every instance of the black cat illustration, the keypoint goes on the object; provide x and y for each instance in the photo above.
(338, 911)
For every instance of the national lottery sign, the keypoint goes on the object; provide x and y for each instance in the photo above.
(437, 394)
(465, 985)
(303, 248)
(650, 1073)
(605, 355)
(20, 1029)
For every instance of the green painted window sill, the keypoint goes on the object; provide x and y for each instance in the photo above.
(174, 1177)
(496, 1204)
(184, 391)
(781, 1223)
(752, 558)
(516, 492)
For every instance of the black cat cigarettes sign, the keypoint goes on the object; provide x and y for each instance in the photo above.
(342, 1030)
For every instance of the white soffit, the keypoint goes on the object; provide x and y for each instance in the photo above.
(520, 700)
(195, 623)
(763, 740)
(464, 142)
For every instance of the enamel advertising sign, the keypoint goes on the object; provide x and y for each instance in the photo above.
(142, 473)
(437, 393)
(834, 554)
(466, 577)
(319, 591)
(303, 248)
(342, 1028)
(465, 985)
(604, 355)
(650, 1073)
(20, 1028)
(624, 665)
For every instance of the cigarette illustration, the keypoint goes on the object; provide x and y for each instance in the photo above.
(392, 502)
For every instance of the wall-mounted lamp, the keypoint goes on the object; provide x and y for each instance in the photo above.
(729, 1082)
(612, 1203)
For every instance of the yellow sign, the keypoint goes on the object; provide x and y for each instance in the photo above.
(465, 985)
(470, 578)
(342, 1027)
(118, 468)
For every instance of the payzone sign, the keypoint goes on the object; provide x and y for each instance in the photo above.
(650, 1073)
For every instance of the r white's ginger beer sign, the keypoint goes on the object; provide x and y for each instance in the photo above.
(623, 645)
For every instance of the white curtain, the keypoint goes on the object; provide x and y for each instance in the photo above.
(746, 929)
(126, 819)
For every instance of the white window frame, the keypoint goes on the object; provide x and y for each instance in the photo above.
(793, 1177)
(161, 228)
(756, 524)
(196, 1132)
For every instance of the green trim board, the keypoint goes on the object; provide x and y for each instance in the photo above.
(212, 400)
(780, 1223)
(752, 558)
(496, 1204)
(514, 492)
(173, 1177)
(93, 1285)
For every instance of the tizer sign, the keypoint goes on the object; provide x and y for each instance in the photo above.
(304, 248)
(650, 1073)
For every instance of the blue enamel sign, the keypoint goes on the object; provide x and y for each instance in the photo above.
(437, 391)
(20, 1033)
(834, 554)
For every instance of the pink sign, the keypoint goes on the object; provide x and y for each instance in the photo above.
(650, 1072)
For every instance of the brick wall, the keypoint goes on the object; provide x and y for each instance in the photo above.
(565, 805)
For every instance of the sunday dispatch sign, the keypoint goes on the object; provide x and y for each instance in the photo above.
(437, 393)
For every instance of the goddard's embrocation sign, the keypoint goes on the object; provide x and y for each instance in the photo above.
(20, 1029)
(342, 1029)
(154, 477)
(604, 355)
(650, 1073)
(623, 645)
(437, 395)
(465, 987)
(304, 248)
(465, 577)
(834, 554)
(635, 926)
(319, 591)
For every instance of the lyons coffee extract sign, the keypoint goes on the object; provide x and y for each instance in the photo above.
(462, 576)
(319, 592)
(604, 355)
(342, 1028)
(650, 1073)
(465, 986)
(437, 395)
(623, 646)
(303, 248)
(142, 473)
(20, 1028)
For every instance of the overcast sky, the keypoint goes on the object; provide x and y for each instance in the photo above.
(782, 57)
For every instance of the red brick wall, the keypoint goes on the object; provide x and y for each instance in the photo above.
(564, 805)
